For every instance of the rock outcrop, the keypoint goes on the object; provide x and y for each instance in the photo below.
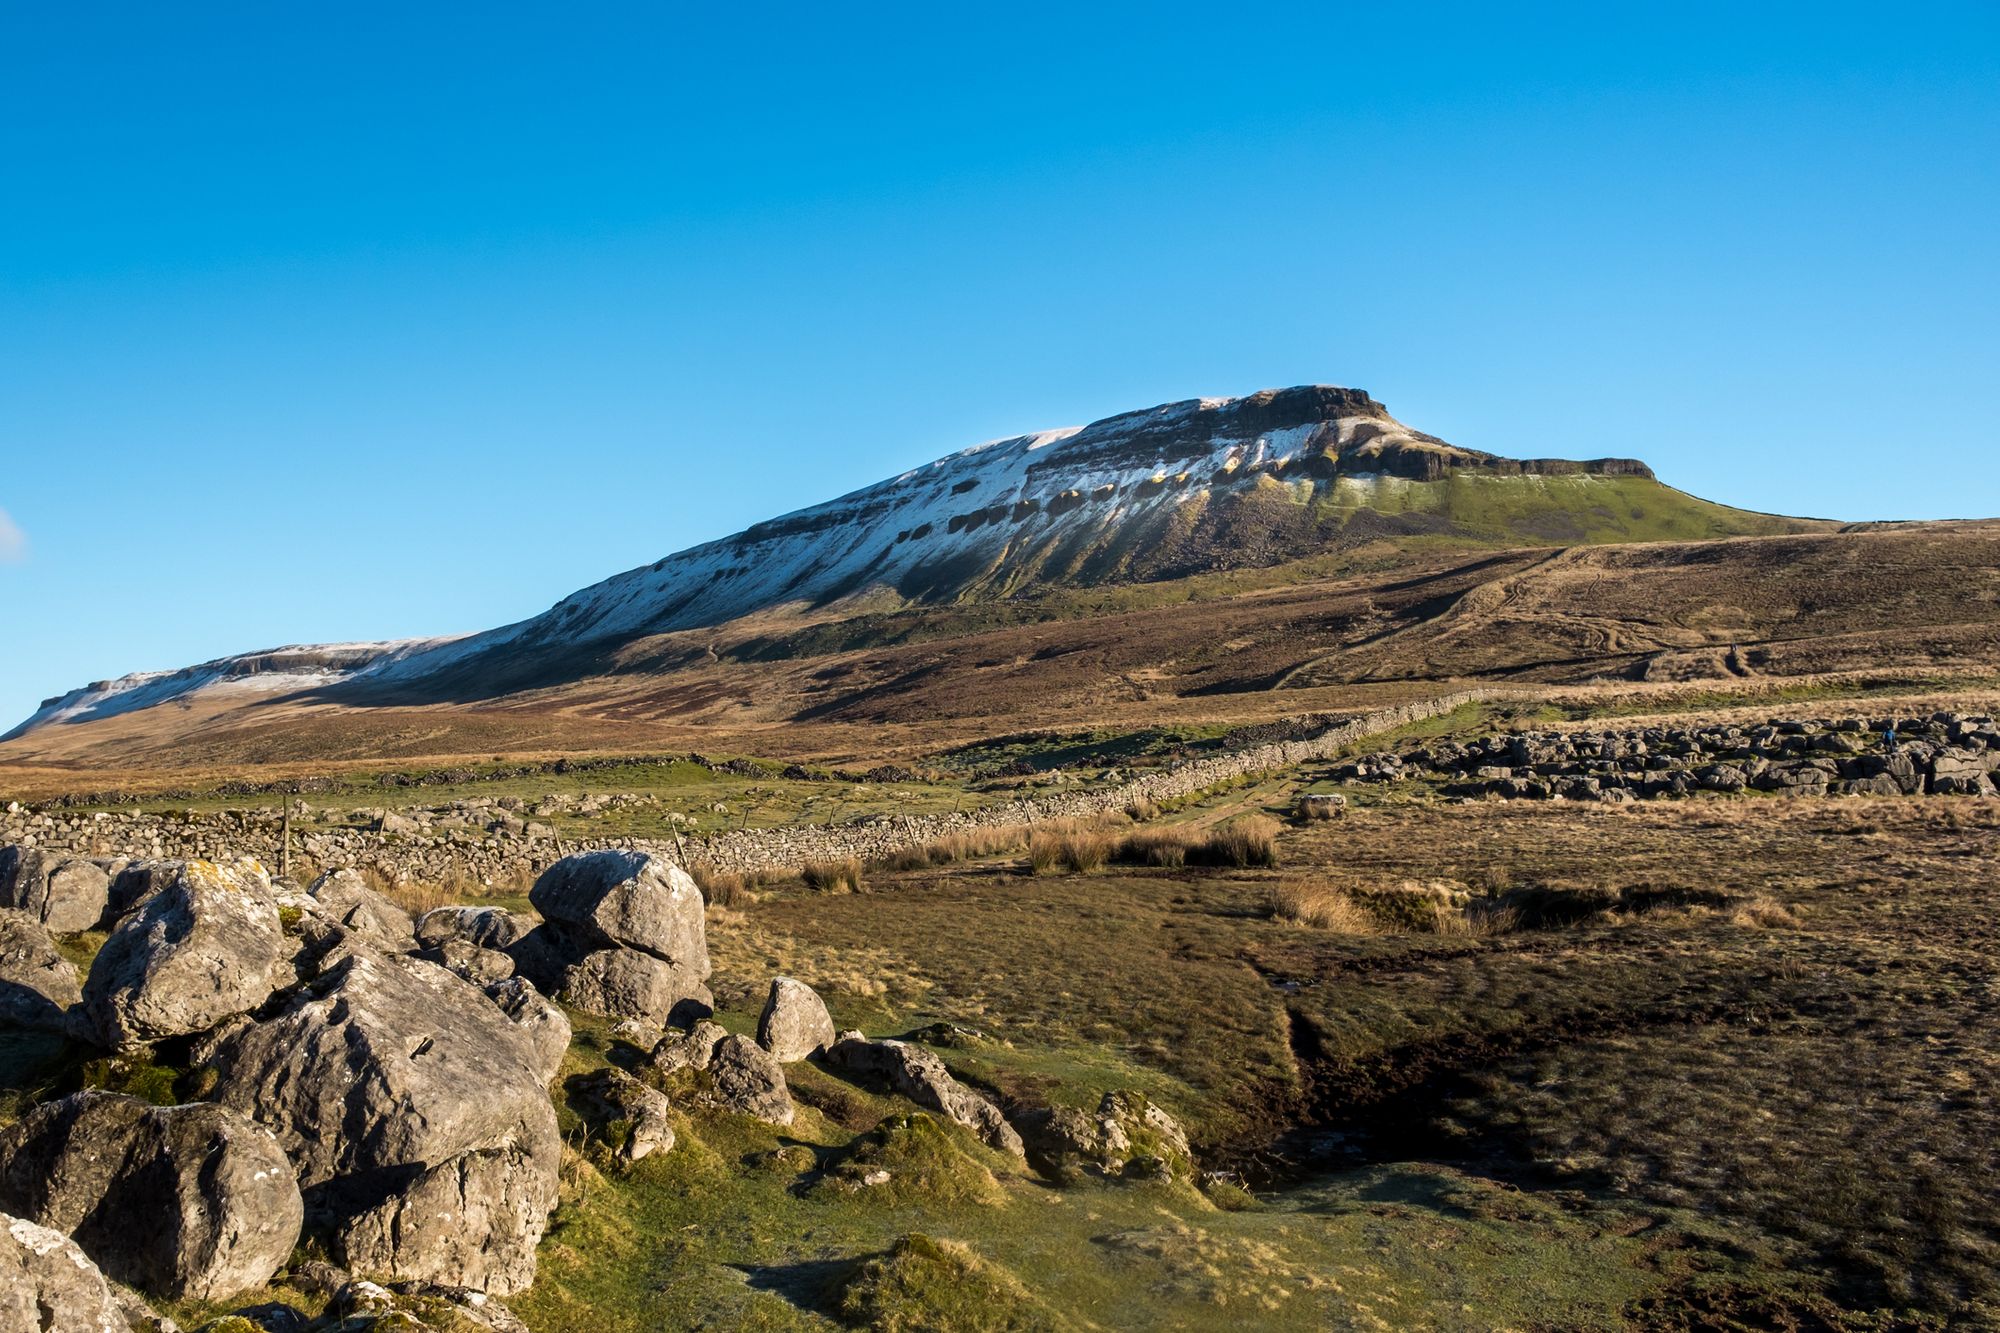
(65, 893)
(715, 1069)
(636, 1120)
(794, 1024)
(208, 946)
(1943, 754)
(38, 986)
(417, 1117)
(181, 1202)
(690, 1049)
(49, 1285)
(1128, 1135)
(921, 1076)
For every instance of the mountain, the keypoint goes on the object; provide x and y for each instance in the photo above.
(1168, 493)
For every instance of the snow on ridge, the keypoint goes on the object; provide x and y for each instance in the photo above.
(978, 502)
(280, 670)
(877, 534)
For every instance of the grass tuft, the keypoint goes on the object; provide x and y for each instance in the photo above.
(833, 876)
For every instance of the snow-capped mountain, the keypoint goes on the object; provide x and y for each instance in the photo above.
(1144, 494)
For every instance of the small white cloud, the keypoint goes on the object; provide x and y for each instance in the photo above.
(13, 541)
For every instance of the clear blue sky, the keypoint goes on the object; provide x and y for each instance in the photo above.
(328, 322)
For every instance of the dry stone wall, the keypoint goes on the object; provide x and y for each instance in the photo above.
(406, 852)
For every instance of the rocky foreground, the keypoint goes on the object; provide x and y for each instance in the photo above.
(375, 1090)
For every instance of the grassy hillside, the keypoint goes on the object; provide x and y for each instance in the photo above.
(1271, 522)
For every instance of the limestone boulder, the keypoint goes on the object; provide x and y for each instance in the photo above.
(375, 918)
(38, 986)
(630, 900)
(626, 983)
(689, 1049)
(473, 1220)
(135, 881)
(745, 1079)
(921, 1076)
(794, 1024)
(417, 1116)
(49, 1285)
(532, 948)
(544, 1025)
(183, 1202)
(481, 967)
(209, 946)
(1959, 773)
(487, 927)
(65, 893)
(713, 1069)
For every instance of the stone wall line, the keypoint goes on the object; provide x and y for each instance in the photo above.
(504, 857)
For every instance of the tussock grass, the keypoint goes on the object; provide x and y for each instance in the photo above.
(1251, 840)
(1244, 842)
(843, 876)
(1312, 901)
(1166, 846)
(724, 888)
(972, 844)
(1076, 851)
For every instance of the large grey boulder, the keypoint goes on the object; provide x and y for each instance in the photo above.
(183, 1202)
(38, 986)
(481, 967)
(48, 1284)
(207, 947)
(544, 1025)
(470, 1221)
(344, 897)
(625, 983)
(922, 1077)
(417, 1116)
(794, 1023)
(630, 900)
(1959, 773)
(65, 893)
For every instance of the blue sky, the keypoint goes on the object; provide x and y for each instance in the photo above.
(325, 323)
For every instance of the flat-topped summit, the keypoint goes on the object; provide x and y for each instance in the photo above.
(1314, 426)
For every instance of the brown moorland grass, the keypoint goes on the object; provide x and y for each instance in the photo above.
(1781, 1014)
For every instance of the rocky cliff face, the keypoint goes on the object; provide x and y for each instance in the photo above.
(1182, 488)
